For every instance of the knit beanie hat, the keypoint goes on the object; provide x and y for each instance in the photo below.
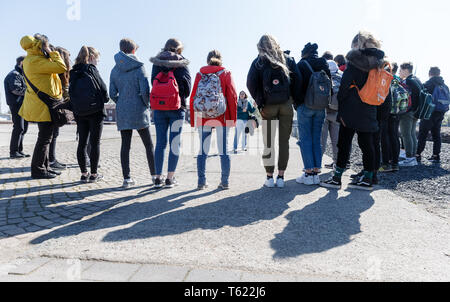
(310, 49)
(334, 68)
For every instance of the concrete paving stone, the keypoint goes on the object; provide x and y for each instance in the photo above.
(202, 275)
(15, 231)
(24, 225)
(33, 228)
(15, 221)
(51, 216)
(29, 267)
(28, 214)
(38, 221)
(160, 273)
(110, 272)
(3, 222)
(7, 227)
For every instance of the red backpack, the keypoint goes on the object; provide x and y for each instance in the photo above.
(165, 94)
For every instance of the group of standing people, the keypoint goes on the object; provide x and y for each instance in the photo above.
(324, 91)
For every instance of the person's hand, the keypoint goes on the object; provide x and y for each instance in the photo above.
(46, 49)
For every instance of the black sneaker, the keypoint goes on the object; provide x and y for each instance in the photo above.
(85, 179)
(25, 155)
(170, 183)
(44, 176)
(58, 166)
(96, 178)
(158, 183)
(357, 176)
(435, 159)
(362, 184)
(332, 183)
(395, 168)
(16, 155)
(329, 166)
(224, 187)
(54, 172)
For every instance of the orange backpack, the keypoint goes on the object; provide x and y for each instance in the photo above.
(377, 86)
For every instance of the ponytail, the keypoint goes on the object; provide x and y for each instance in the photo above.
(83, 56)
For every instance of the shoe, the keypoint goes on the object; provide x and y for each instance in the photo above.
(436, 159)
(402, 153)
(395, 168)
(316, 179)
(158, 183)
(362, 183)
(202, 187)
(357, 176)
(16, 155)
(170, 183)
(385, 169)
(54, 172)
(409, 162)
(332, 183)
(306, 179)
(85, 179)
(94, 179)
(44, 176)
(224, 187)
(128, 183)
(329, 166)
(58, 166)
(270, 183)
(25, 155)
(280, 182)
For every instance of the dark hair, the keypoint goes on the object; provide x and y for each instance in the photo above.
(435, 72)
(65, 55)
(407, 66)
(128, 45)
(310, 50)
(246, 96)
(214, 58)
(20, 60)
(173, 45)
(340, 60)
(85, 54)
(327, 55)
(394, 68)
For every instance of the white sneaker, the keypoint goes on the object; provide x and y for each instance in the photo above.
(306, 180)
(409, 162)
(280, 183)
(270, 183)
(128, 183)
(316, 179)
(402, 153)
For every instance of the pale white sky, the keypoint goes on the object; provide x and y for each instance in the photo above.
(413, 30)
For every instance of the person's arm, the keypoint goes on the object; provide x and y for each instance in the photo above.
(415, 93)
(344, 89)
(254, 85)
(296, 82)
(186, 82)
(232, 98)
(191, 106)
(113, 91)
(49, 66)
(144, 87)
(103, 87)
(250, 108)
(17, 85)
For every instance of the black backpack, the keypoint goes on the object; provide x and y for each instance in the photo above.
(276, 86)
(85, 93)
(318, 94)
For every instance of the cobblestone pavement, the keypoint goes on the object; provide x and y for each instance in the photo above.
(300, 230)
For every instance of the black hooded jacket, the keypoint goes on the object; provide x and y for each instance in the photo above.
(255, 80)
(353, 112)
(166, 61)
(15, 87)
(434, 82)
(414, 86)
(317, 64)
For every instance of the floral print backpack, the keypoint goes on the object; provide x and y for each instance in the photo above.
(209, 99)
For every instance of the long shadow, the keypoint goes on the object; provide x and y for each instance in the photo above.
(15, 179)
(236, 211)
(15, 170)
(6, 194)
(323, 225)
(123, 215)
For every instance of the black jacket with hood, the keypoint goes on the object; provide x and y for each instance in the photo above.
(255, 80)
(15, 87)
(415, 87)
(166, 61)
(353, 112)
(434, 82)
(317, 64)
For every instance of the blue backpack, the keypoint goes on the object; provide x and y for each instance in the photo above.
(441, 98)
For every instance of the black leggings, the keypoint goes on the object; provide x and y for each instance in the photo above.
(90, 128)
(366, 144)
(126, 146)
(390, 142)
(52, 152)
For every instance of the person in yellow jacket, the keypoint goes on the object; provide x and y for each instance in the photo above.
(41, 67)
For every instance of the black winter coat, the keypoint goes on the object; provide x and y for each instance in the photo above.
(353, 112)
(166, 61)
(432, 83)
(15, 87)
(255, 80)
(317, 64)
(414, 87)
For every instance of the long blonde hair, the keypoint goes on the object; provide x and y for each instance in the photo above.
(269, 49)
(85, 54)
(365, 39)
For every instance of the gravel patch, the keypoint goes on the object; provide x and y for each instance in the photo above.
(427, 184)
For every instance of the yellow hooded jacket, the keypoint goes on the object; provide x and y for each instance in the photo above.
(43, 73)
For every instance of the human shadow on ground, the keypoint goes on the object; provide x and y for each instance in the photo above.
(235, 211)
(122, 215)
(28, 190)
(15, 170)
(328, 223)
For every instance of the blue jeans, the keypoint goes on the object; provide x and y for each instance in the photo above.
(310, 123)
(168, 123)
(205, 134)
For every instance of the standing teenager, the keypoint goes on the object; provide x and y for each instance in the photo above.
(41, 67)
(169, 109)
(130, 90)
(88, 94)
(275, 83)
(244, 111)
(213, 106)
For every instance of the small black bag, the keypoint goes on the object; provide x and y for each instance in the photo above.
(59, 115)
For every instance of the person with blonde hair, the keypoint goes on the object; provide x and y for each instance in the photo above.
(275, 82)
(355, 116)
(88, 94)
(41, 68)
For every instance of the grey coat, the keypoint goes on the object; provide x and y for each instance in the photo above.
(130, 90)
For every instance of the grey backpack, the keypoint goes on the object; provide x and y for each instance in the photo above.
(318, 94)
